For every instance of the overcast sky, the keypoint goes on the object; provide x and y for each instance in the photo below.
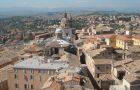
(70, 3)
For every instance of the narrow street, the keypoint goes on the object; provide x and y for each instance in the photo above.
(95, 85)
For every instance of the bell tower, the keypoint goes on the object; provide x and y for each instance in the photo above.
(65, 15)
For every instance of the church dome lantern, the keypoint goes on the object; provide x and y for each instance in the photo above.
(58, 33)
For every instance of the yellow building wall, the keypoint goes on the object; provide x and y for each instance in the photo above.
(120, 43)
(112, 42)
(136, 41)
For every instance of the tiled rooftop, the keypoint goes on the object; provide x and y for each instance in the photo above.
(107, 77)
(103, 61)
(7, 56)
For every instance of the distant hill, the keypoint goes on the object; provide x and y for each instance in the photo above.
(21, 11)
(33, 11)
(3, 16)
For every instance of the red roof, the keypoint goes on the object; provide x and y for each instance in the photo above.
(107, 36)
(123, 37)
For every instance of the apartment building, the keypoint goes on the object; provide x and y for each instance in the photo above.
(32, 73)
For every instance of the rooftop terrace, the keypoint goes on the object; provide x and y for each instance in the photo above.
(38, 62)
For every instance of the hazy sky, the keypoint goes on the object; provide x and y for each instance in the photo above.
(70, 3)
